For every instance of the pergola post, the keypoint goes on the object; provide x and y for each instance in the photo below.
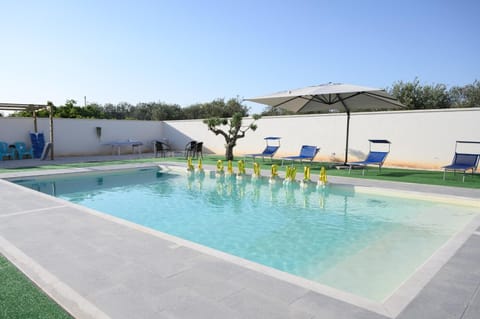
(50, 116)
(35, 127)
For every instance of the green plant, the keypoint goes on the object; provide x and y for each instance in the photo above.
(232, 130)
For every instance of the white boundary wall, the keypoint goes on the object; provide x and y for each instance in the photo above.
(75, 137)
(420, 139)
(423, 139)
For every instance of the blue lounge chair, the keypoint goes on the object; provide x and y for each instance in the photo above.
(462, 162)
(269, 150)
(307, 152)
(376, 158)
(38, 143)
(22, 150)
(6, 151)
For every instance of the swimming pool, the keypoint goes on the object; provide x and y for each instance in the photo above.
(355, 242)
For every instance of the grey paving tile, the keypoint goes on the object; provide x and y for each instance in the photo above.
(121, 302)
(169, 263)
(453, 290)
(439, 300)
(87, 274)
(254, 305)
(185, 303)
(432, 306)
(206, 283)
(271, 287)
(325, 307)
(221, 268)
(46, 234)
(473, 308)
(142, 282)
(13, 201)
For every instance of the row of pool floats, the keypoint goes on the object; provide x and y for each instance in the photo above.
(290, 172)
(236, 184)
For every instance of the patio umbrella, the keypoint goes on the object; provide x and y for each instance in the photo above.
(331, 97)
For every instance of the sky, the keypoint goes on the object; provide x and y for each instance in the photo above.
(188, 52)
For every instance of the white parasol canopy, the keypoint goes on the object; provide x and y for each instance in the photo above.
(331, 97)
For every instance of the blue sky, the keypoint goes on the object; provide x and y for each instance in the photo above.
(187, 52)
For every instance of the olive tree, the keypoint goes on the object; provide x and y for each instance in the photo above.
(231, 129)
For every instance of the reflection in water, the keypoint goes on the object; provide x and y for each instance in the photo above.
(76, 183)
(256, 189)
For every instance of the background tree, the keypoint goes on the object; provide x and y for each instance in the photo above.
(92, 111)
(69, 110)
(274, 111)
(216, 108)
(163, 111)
(231, 129)
(417, 96)
(466, 96)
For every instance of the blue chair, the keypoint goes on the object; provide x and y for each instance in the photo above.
(269, 150)
(6, 151)
(376, 158)
(307, 152)
(22, 150)
(462, 162)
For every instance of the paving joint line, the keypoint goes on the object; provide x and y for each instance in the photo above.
(32, 211)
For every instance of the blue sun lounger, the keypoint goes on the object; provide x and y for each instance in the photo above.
(307, 152)
(376, 158)
(462, 162)
(269, 150)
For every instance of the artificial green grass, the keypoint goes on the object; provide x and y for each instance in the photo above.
(387, 174)
(20, 298)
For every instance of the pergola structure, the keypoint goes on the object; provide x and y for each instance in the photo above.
(34, 108)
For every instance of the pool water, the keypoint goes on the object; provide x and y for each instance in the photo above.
(362, 244)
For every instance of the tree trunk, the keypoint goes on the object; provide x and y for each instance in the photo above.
(229, 152)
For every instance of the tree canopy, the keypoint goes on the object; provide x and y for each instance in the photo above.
(151, 111)
(414, 95)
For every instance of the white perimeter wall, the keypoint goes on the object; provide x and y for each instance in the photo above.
(79, 137)
(423, 139)
(420, 139)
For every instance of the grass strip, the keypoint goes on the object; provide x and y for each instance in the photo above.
(20, 298)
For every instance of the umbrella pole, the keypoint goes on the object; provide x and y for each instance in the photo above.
(346, 139)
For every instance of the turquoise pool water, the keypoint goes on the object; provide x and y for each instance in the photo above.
(363, 244)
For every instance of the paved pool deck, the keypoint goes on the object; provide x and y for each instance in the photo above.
(98, 266)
